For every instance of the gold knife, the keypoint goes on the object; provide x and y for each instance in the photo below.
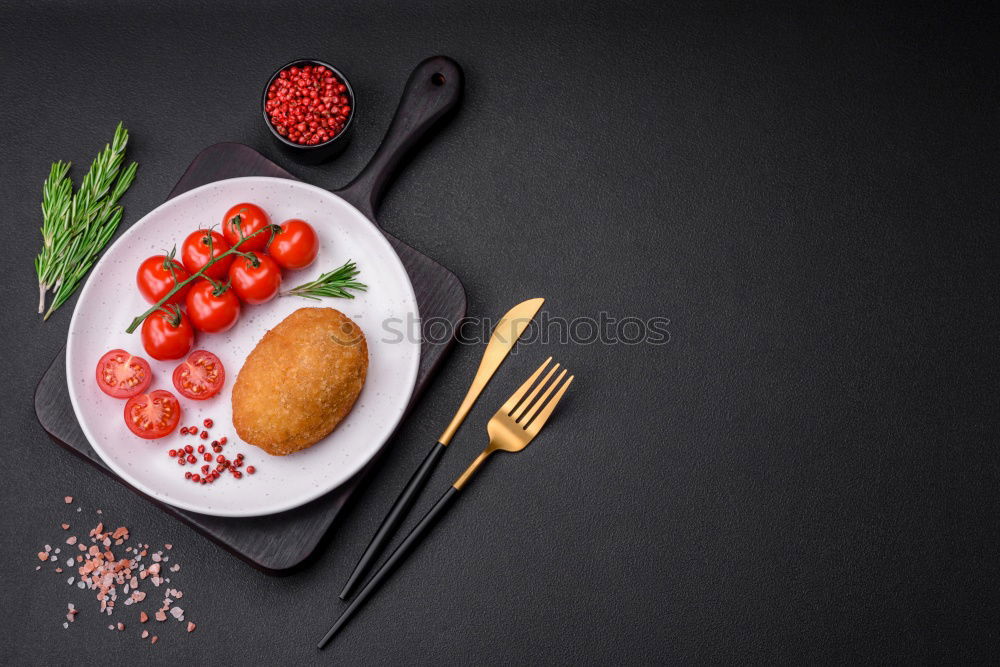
(505, 335)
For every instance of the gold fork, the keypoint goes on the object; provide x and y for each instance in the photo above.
(511, 429)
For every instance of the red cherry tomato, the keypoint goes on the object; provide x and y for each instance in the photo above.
(120, 375)
(157, 275)
(152, 415)
(195, 253)
(211, 311)
(255, 284)
(295, 246)
(201, 376)
(167, 335)
(247, 218)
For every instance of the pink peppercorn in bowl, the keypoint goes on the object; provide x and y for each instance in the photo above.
(308, 106)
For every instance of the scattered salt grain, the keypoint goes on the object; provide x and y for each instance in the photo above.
(68, 499)
(153, 640)
(106, 573)
(145, 633)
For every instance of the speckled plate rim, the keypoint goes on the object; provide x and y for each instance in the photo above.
(391, 423)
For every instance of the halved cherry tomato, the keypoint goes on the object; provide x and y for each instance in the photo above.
(295, 246)
(167, 334)
(157, 275)
(255, 280)
(195, 253)
(246, 218)
(120, 375)
(212, 309)
(201, 376)
(152, 415)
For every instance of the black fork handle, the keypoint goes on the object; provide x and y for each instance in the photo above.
(405, 547)
(395, 516)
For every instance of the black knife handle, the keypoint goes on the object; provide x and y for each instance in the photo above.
(395, 559)
(395, 516)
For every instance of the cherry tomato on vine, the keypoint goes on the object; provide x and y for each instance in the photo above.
(255, 280)
(295, 246)
(212, 309)
(195, 253)
(120, 375)
(154, 278)
(247, 218)
(200, 376)
(152, 415)
(167, 334)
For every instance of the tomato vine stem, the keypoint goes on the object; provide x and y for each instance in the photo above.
(274, 229)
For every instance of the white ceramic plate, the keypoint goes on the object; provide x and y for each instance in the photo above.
(110, 300)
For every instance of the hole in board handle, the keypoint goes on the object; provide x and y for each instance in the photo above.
(437, 79)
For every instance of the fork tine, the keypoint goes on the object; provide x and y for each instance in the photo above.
(541, 401)
(526, 403)
(538, 422)
(512, 402)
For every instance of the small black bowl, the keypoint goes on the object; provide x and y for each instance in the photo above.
(317, 152)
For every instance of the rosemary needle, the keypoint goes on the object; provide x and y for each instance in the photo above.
(332, 283)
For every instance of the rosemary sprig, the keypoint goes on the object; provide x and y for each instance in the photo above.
(76, 227)
(57, 194)
(332, 283)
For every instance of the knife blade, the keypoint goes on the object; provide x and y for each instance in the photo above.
(505, 335)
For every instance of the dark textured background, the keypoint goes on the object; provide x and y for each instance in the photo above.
(806, 472)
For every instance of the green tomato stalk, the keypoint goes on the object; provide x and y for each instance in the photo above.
(274, 229)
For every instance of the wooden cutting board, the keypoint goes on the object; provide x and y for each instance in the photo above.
(283, 541)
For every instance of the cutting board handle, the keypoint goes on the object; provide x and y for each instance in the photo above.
(433, 89)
